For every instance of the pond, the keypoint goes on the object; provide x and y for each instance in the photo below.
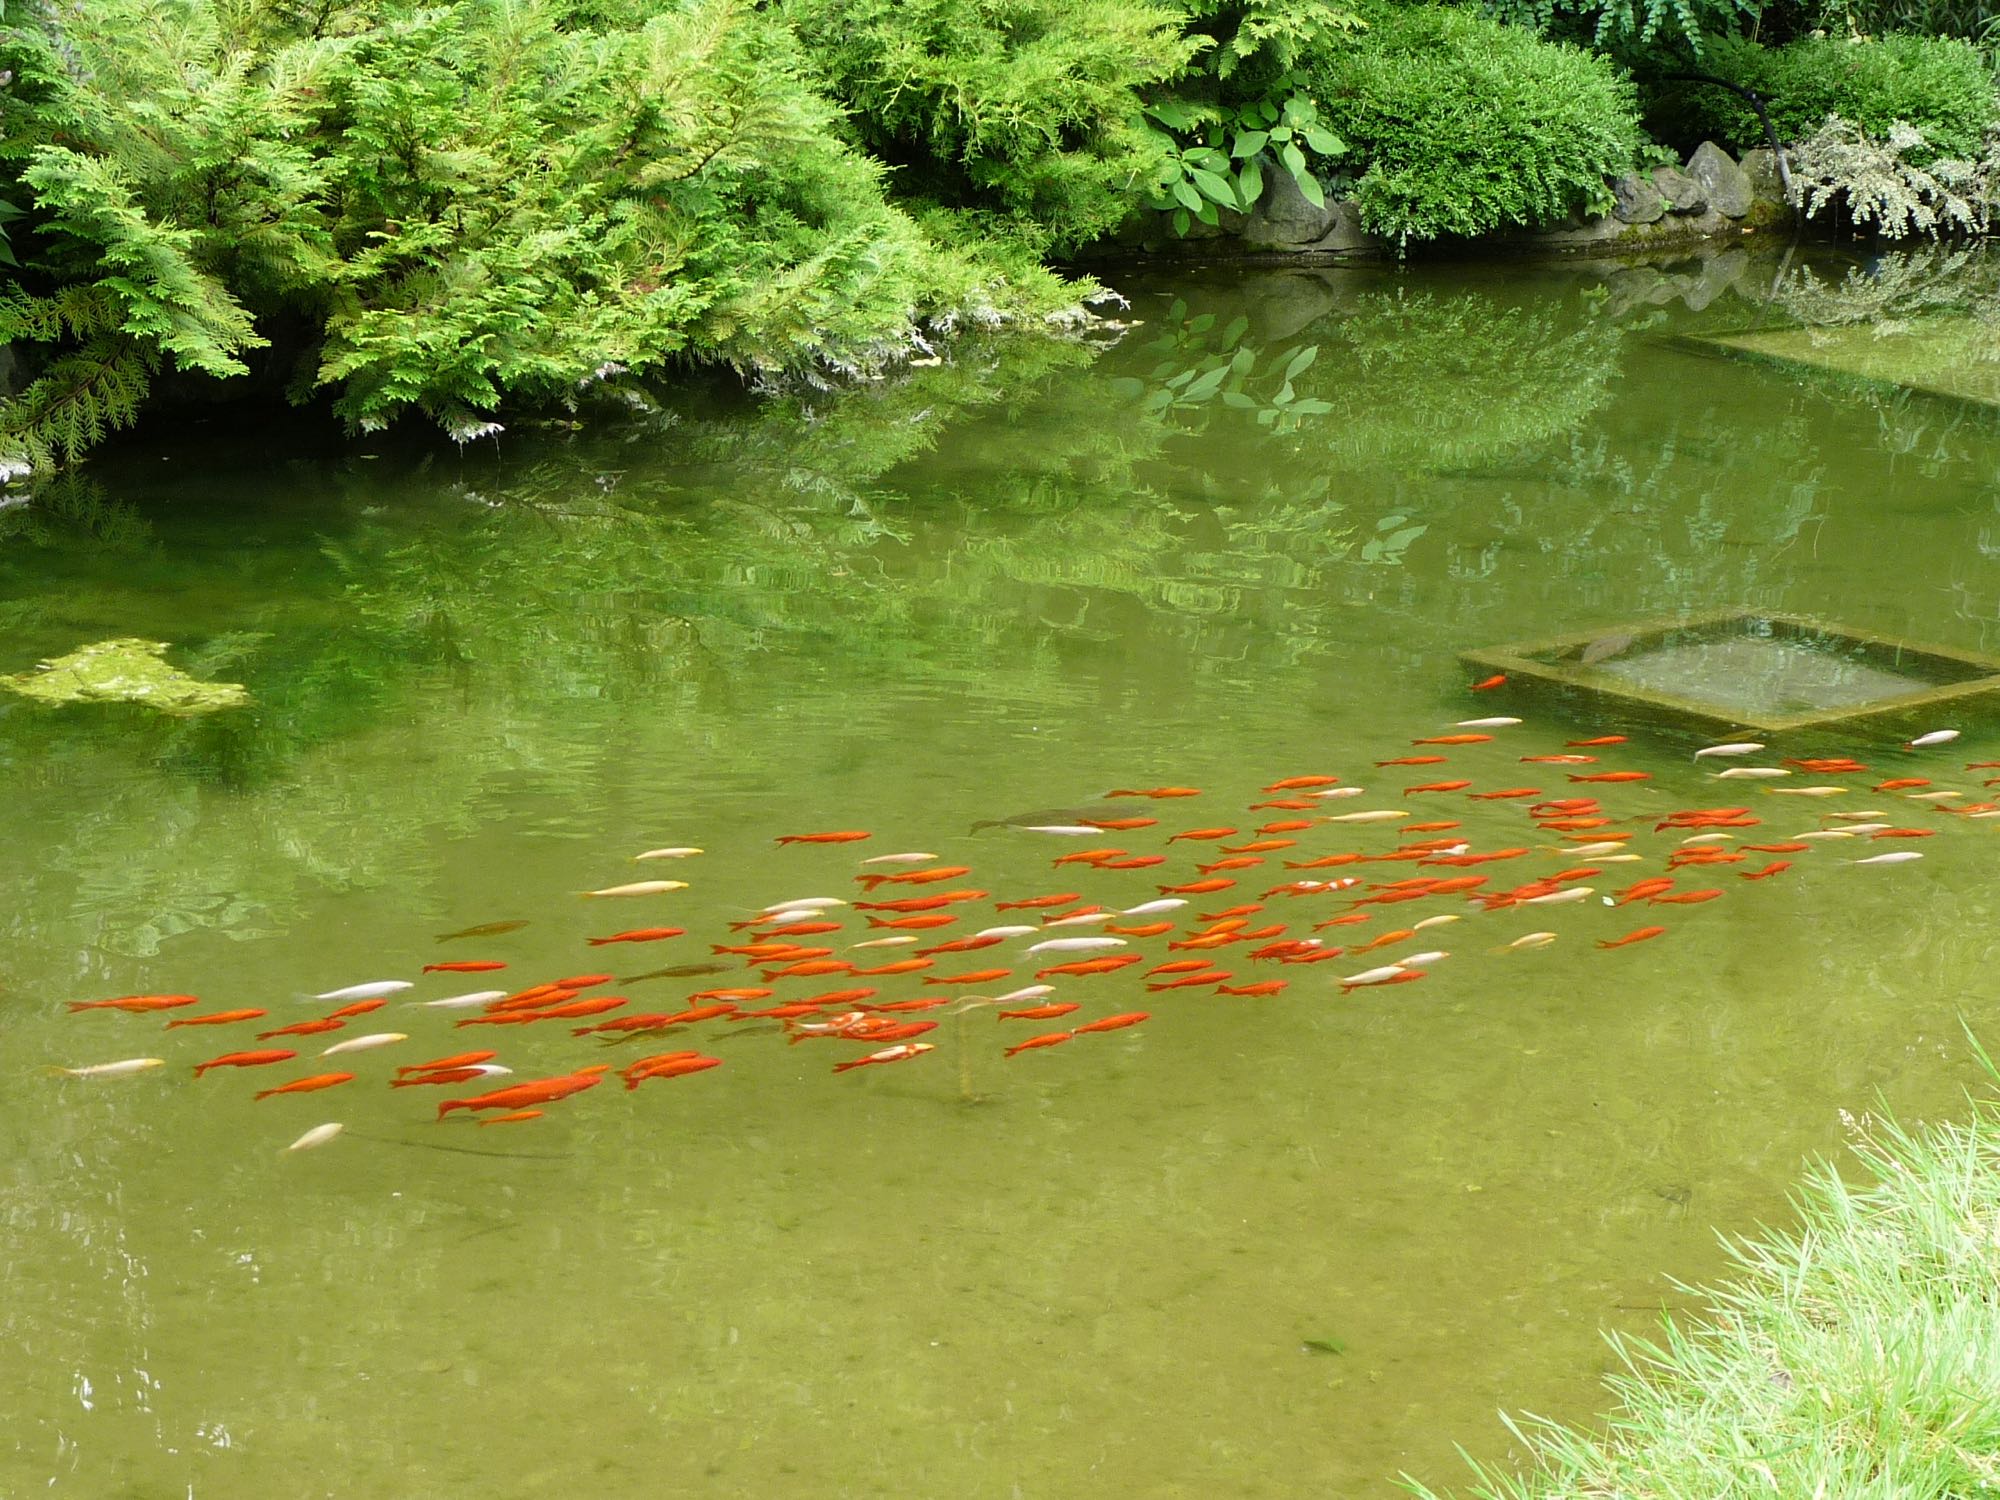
(1286, 1244)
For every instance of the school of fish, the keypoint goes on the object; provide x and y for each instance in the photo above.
(1263, 894)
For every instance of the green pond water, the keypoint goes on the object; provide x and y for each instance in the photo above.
(481, 682)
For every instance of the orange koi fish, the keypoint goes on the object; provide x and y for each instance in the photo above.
(1302, 783)
(539, 1091)
(1487, 684)
(310, 1085)
(135, 1004)
(1178, 966)
(1259, 990)
(1829, 766)
(914, 924)
(1644, 890)
(1414, 760)
(1285, 804)
(514, 1117)
(1614, 777)
(1386, 939)
(1454, 739)
(1904, 833)
(1083, 968)
(1436, 786)
(355, 1008)
(1431, 827)
(1041, 1012)
(1405, 976)
(1087, 857)
(1192, 981)
(1637, 935)
(1136, 862)
(900, 1053)
(1195, 887)
(1558, 760)
(1157, 792)
(437, 1075)
(976, 976)
(1325, 862)
(1601, 740)
(581, 981)
(1775, 867)
(1142, 930)
(898, 1033)
(810, 968)
(841, 836)
(839, 997)
(1902, 783)
(1118, 1022)
(1260, 846)
(640, 935)
(1510, 793)
(790, 929)
(217, 1018)
(244, 1060)
(303, 1028)
(1204, 833)
(1682, 898)
(1047, 1039)
(1245, 909)
(1287, 825)
(456, 1060)
(1035, 903)
(920, 903)
(467, 966)
(679, 1067)
(900, 966)
(1236, 862)
(1786, 848)
(731, 995)
(919, 877)
(959, 945)
(903, 1007)
(1121, 825)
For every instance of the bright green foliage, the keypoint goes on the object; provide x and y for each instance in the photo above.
(1459, 125)
(1857, 1356)
(1642, 28)
(1023, 110)
(465, 204)
(1941, 87)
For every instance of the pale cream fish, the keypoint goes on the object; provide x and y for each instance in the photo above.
(1082, 919)
(805, 903)
(367, 1043)
(639, 888)
(1501, 722)
(1806, 791)
(1591, 851)
(1011, 929)
(1822, 833)
(1076, 945)
(1066, 830)
(1933, 796)
(1738, 747)
(1707, 838)
(1147, 908)
(1935, 737)
(319, 1135)
(1620, 859)
(1379, 815)
(900, 940)
(1899, 857)
(1857, 829)
(1530, 940)
(122, 1069)
(375, 991)
(801, 914)
(1339, 791)
(1374, 976)
(491, 1070)
(1029, 992)
(1853, 817)
(681, 851)
(1560, 898)
(1421, 960)
(1991, 813)
(1437, 921)
(914, 857)
(1751, 773)
(463, 1002)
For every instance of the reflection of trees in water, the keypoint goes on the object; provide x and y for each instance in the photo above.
(1893, 287)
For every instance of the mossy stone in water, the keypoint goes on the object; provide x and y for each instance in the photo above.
(125, 671)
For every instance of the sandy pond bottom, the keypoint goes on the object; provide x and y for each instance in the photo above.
(481, 685)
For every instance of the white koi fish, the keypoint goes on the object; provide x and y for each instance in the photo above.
(914, 857)
(1437, 921)
(1081, 919)
(639, 888)
(1031, 992)
(1373, 976)
(805, 903)
(121, 1069)
(1067, 830)
(319, 1135)
(1076, 944)
(1559, 898)
(679, 852)
(1739, 747)
(1148, 908)
(1806, 791)
(1422, 960)
(1899, 857)
(377, 990)
(1339, 791)
(1935, 737)
(1011, 929)
(462, 1002)
(900, 940)
(1531, 940)
(1822, 833)
(1500, 722)
(1380, 815)
(1751, 773)
(365, 1043)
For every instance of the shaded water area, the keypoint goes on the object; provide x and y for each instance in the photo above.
(481, 682)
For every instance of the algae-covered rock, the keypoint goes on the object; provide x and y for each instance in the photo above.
(125, 671)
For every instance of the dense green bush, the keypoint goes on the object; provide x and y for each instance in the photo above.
(1026, 110)
(1458, 125)
(1942, 87)
(450, 207)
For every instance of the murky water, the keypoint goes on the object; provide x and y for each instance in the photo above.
(483, 682)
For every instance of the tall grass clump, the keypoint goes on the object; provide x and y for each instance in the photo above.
(1855, 1356)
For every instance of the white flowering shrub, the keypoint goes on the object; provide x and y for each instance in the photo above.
(1841, 163)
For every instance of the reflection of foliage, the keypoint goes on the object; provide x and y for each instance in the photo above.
(1196, 370)
(66, 504)
(1894, 287)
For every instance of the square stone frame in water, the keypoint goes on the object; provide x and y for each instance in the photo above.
(1956, 676)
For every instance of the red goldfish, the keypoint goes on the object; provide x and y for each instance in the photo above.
(902, 1052)
(135, 1004)
(842, 836)
(643, 935)
(540, 1091)
(243, 1060)
(217, 1018)
(1114, 1023)
(308, 1085)
(465, 966)
(1047, 1039)
(1637, 935)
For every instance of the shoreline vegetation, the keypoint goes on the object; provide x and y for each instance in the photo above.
(1854, 1354)
(465, 212)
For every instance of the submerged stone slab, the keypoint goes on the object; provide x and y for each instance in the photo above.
(1945, 355)
(125, 670)
(1738, 671)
